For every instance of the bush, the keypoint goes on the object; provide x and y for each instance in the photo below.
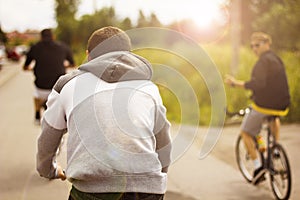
(292, 63)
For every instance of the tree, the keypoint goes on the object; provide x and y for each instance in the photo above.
(154, 21)
(65, 17)
(89, 23)
(235, 34)
(126, 24)
(251, 10)
(3, 37)
(279, 18)
(247, 16)
(142, 21)
(282, 22)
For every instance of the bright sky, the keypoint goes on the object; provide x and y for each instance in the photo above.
(38, 14)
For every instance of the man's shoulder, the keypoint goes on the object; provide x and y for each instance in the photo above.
(36, 45)
(272, 58)
(61, 44)
(269, 55)
(63, 80)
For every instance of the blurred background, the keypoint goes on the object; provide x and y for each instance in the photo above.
(221, 27)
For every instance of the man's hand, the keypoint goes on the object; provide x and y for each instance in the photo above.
(27, 68)
(229, 80)
(60, 173)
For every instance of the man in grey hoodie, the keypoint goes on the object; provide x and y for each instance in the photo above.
(119, 144)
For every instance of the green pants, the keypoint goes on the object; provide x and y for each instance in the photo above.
(78, 195)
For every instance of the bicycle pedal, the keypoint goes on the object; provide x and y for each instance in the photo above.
(259, 180)
(276, 155)
(260, 177)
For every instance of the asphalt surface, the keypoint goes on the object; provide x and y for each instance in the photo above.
(190, 178)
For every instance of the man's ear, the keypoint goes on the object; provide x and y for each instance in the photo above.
(87, 54)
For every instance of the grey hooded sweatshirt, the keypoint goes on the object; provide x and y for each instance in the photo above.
(118, 133)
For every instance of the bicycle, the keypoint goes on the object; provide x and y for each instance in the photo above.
(274, 159)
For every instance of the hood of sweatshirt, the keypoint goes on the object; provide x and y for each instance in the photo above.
(119, 66)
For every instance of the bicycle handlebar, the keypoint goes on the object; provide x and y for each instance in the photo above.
(241, 112)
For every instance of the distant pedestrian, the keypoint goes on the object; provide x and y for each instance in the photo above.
(50, 57)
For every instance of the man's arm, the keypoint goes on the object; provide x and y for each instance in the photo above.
(258, 75)
(48, 144)
(29, 59)
(163, 137)
(230, 80)
(53, 129)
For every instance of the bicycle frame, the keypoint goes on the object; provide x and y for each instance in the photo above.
(267, 162)
(270, 143)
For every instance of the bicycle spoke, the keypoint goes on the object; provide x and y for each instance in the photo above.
(280, 173)
(244, 161)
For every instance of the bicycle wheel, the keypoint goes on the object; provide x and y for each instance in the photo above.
(244, 161)
(280, 174)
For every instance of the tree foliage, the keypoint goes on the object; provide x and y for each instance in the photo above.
(279, 18)
(3, 37)
(65, 17)
(89, 23)
(144, 21)
(282, 21)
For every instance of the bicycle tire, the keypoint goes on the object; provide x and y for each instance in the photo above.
(244, 162)
(280, 174)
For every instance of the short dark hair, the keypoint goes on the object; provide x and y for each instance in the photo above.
(46, 34)
(118, 40)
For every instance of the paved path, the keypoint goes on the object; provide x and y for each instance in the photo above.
(215, 177)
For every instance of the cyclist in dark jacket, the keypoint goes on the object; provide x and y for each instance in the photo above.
(270, 94)
(49, 57)
(269, 82)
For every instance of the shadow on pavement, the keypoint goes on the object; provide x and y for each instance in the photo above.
(170, 195)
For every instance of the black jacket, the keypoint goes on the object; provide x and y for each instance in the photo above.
(269, 82)
(49, 59)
